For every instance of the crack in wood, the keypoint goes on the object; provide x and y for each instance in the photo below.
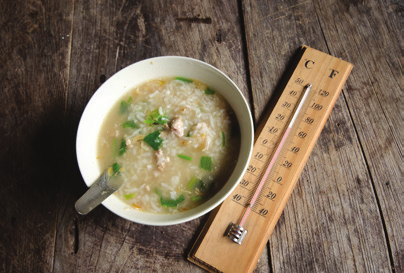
(197, 20)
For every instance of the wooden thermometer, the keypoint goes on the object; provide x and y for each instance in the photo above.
(236, 232)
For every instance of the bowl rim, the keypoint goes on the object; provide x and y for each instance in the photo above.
(246, 144)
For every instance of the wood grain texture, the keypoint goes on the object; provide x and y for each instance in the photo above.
(319, 231)
(374, 98)
(34, 60)
(55, 54)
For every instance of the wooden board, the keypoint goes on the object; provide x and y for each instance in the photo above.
(374, 96)
(34, 58)
(55, 54)
(359, 225)
(327, 74)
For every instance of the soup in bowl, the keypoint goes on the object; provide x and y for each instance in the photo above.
(175, 130)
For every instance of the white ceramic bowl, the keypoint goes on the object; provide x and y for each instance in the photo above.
(123, 81)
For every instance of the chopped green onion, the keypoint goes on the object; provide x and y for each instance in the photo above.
(197, 183)
(196, 198)
(169, 203)
(183, 79)
(129, 196)
(223, 139)
(115, 168)
(192, 183)
(154, 140)
(189, 134)
(125, 105)
(129, 124)
(206, 163)
(209, 91)
(185, 157)
(122, 149)
(155, 118)
(201, 185)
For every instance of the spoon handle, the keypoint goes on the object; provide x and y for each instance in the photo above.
(97, 193)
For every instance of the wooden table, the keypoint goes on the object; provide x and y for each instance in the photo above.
(346, 212)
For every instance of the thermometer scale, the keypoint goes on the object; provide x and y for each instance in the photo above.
(237, 231)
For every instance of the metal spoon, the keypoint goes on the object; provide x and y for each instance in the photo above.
(98, 192)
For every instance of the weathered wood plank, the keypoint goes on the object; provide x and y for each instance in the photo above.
(370, 35)
(107, 37)
(331, 222)
(325, 225)
(34, 58)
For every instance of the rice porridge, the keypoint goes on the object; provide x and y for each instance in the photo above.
(173, 141)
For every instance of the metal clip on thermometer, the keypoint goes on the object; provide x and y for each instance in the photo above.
(236, 232)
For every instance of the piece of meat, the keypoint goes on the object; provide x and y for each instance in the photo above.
(161, 160)
(177, 126)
